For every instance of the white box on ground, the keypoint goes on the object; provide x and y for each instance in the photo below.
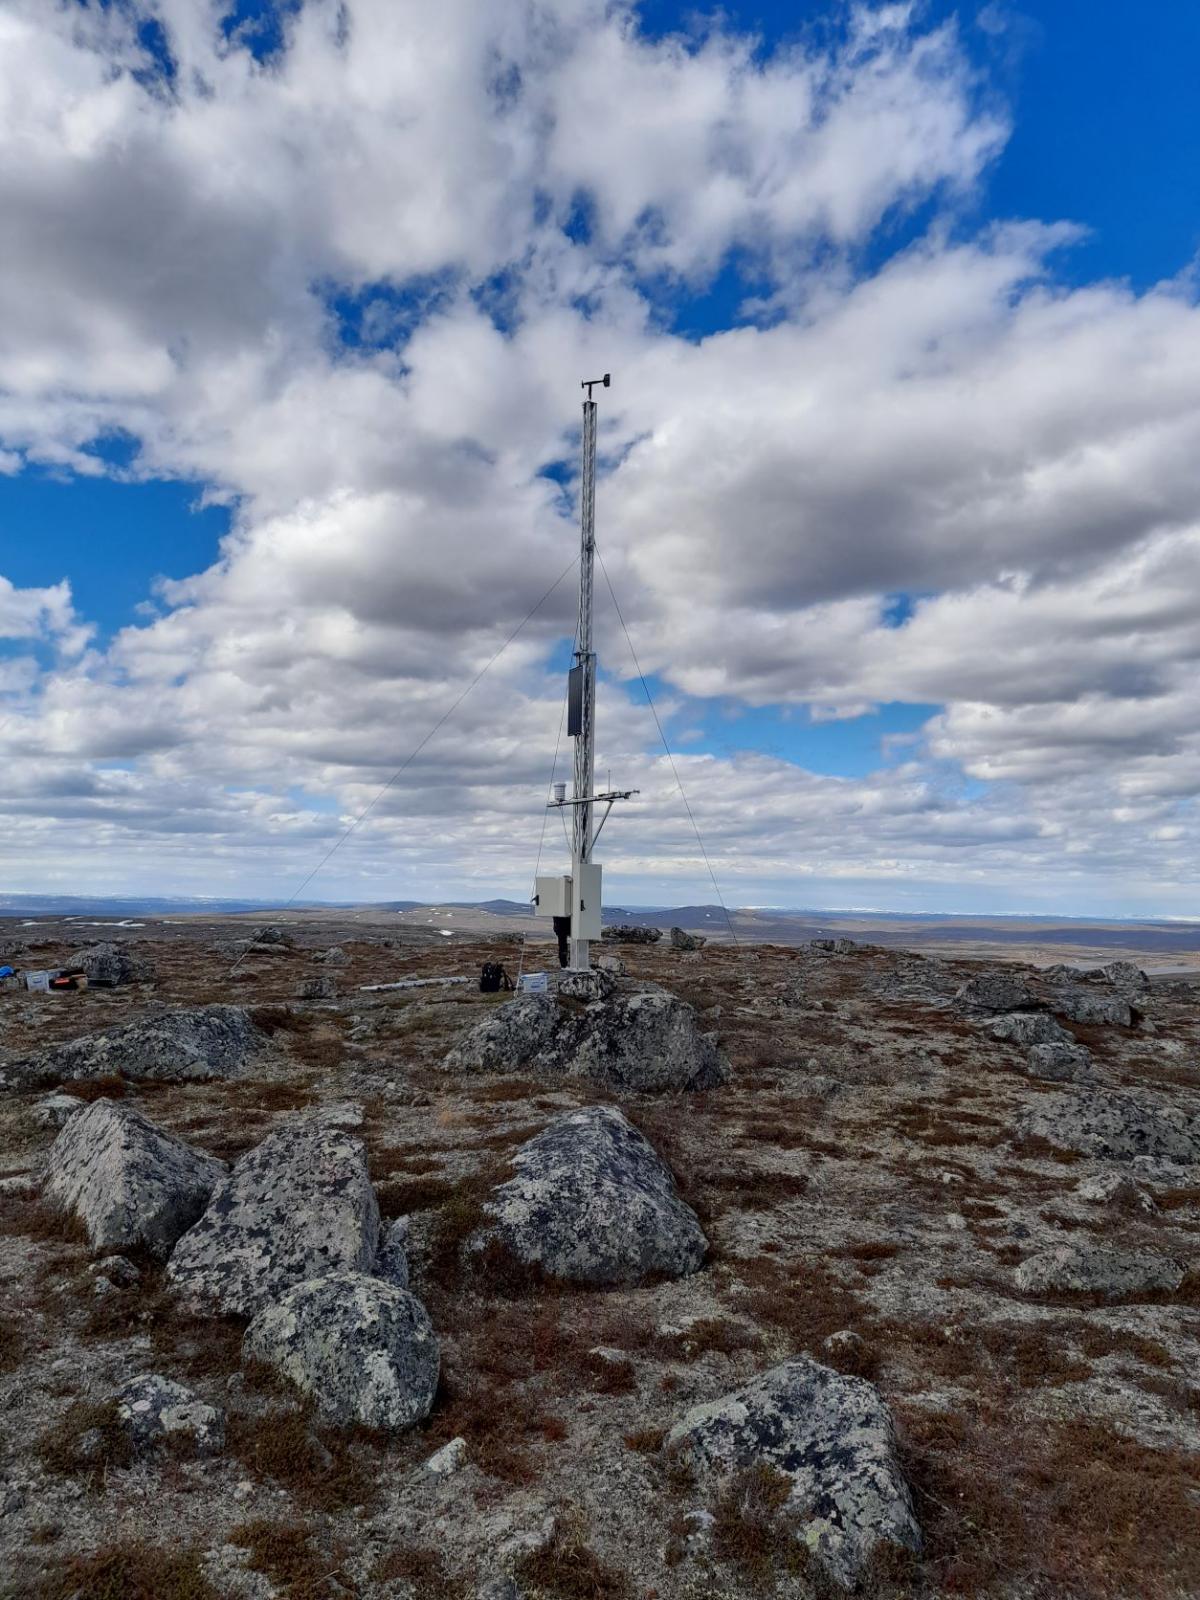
(585, 912)
(553, 896)
(533, 983)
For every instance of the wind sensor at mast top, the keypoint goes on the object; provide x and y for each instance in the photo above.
(574, 900)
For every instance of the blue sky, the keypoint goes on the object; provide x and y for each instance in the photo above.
(125, 485)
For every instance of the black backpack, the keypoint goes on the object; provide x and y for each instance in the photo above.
(493, 978)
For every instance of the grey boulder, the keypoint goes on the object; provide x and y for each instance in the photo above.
(391, 1264)
(56, 1110)
(317, 989)
(165, 1046)
(833, 1437)
(362, 1350)
(1062, 1063)
(680, 940)
(299, 1205)
(108, 965)
(1085, 1005)
(1114, 1124)
(1028, 1027)
(1126, 975)
(155, 1410)
(996, 991)
(1115, 1189)
(1100, 1270)
(648, 1042)
(591, 1202)
(127, 1181)
(509, 1037)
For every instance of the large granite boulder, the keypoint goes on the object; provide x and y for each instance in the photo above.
(833, 1437)
(1085, 1005)
(1126, 976)
(591, 1202)
(163, 1046)
(106, 965)
(1028, 1027)
(1114, 1124)
(682, 940)
(1061, 1063)
(647, 1041)
(362, 1350)
(128, 1182)
(510, 1037)
(997, 991)
(1089, 1268)
(630, 933)
(299, 1205)
(155, 1410)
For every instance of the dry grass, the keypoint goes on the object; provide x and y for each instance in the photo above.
(12, 1344)
(110, 1087)
(131, 1571)
(423, 1570)
(750, 1532)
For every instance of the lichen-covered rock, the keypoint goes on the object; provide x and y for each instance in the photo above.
(274, 935)
(1062, 1063)
(833, 1437)
(391, 1264)
(127, 1181)
(299, 1205)
(509, 1037)
(108, 965)
(166, 1046)
(648, 1041)
(1113, 1123)
(1126, 975)
(1115, 1189)
(317, 989)
(56, 1110)
(155, 1410)
(682, 940)
(591, 1202)
(595, 984)
(1028, 1027)
(1097, 1269)
(364, 1351)
(630, 933)
(335, 956)
(996, 991)
(1085, 1005)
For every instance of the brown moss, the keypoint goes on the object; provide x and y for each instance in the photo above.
(646, 1441)
(12, 1344)
(129, 1571)
(323, 1468)
(567, 1568)
(751, 1533)
(88, 1441)
(109, 1087)
(422, 1569)
(286, 1553)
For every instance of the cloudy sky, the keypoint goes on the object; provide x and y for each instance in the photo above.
(900, 487)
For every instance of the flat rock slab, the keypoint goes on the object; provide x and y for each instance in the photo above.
(127, 1182)
(1097, 1269)
(591, 1202)
(364, 1351)
(164, 1046)
(646, 1041)
(1114, 1124)
(155, 1410)
(830, 1434)
(299, 1205)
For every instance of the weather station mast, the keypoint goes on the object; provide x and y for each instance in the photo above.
(574, 900)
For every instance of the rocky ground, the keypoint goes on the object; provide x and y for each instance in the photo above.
(401, 1293)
